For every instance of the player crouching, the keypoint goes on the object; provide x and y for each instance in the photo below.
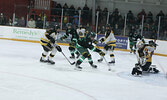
(144, 56)
(48, 43)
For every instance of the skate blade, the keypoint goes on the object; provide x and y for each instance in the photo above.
(111, 70)
(111, 64)
(78, 69)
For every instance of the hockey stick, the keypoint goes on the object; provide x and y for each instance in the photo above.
(60, 50)
(109, 67)
(72, 63)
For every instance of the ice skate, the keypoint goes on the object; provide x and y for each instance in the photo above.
(100, 60)
(51, 62)
(72, 56)
(112, 61)
(93, 66)
(77, 67)
(42, 60)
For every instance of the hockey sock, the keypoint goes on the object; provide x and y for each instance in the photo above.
(112, 56)
(72, 54)
(90, 59)
(77, 52)
(80, 60)
(43, 55)
(51, 56)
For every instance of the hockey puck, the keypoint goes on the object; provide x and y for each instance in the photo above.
(109, 69)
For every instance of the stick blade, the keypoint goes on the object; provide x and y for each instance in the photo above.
(73, 63)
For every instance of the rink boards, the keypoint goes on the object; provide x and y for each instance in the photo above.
(33, 35)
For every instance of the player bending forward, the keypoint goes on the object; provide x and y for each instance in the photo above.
(110, 43)
(144, 57)
(83, 45)
(49, 45)
(71, 32)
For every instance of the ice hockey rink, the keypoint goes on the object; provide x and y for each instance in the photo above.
(23, 77)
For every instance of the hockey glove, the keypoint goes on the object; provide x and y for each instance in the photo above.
(102, 40)
(62, 38)
(101, 53)
(58, 48)
(95, 41)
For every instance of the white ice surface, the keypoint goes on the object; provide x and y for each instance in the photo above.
(23, 77)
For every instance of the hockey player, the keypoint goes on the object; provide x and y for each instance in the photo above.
(71, 32)
(83, 45)
(144, 56)
(110, 43)
(133, 37)
(49, 45)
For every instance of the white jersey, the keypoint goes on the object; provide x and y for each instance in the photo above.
(110, 39)
(81, 32)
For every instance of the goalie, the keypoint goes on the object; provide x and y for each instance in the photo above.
(49, 45)
(144, 57)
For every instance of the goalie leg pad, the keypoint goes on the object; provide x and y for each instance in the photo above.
(146, 66)
(136, 70)
(153, 69)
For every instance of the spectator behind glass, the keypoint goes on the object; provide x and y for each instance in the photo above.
(71, 13)
(130, 17)
(149, 18)
(140, 14)
(21, 22)
(31, 23)
(2, 19)
(9, 23)
(31, 3)
(160, 14)
(85, 14)
(43, 16)
(53, 23)
(76, 19)
(65, 8)
(34, 15)
(15, 23)
(58, 9)
(39, 23)
(116, 16)
(104, 16)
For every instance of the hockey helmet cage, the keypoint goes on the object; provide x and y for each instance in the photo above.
(92, 34)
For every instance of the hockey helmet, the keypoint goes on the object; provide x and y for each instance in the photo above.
(92, 35)
(108, 27)
(69, 25)
(57, 26)
(152, 43)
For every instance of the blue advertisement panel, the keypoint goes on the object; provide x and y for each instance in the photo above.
(121, 42)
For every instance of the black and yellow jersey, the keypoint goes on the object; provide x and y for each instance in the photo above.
(48, 37)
